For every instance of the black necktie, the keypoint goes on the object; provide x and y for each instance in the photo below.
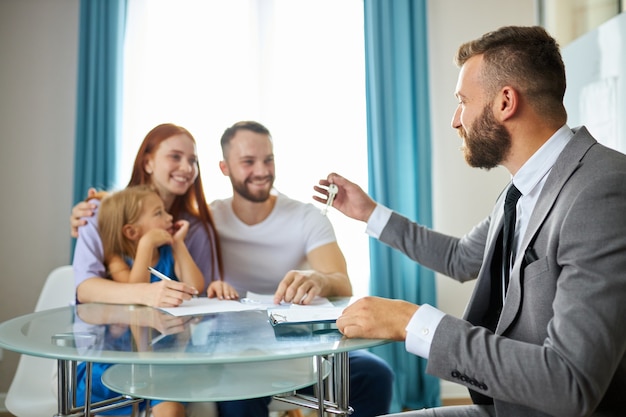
(510, 203)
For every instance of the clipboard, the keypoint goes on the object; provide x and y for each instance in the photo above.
(305, 315)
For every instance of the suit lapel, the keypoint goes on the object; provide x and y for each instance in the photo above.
(566, 164)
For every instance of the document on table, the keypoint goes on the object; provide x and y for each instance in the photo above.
(252, 301)
(267, 301)
(205, 305)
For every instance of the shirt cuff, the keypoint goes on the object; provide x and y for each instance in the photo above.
(378, 220)
(421, 330)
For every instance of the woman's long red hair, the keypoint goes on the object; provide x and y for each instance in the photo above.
(193, 201)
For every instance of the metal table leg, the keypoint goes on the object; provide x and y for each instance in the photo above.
(66, 394)
(332, 395)
(65, 400)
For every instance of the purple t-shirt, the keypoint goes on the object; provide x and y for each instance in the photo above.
(89, 259)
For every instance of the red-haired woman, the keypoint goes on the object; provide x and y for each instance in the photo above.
(167, 160)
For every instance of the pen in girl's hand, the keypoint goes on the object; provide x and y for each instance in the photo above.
(159, 274)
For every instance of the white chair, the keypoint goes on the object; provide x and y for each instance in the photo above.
(31, 392)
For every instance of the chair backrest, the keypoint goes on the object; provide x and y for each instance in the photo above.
(31, 393)
(58, 290)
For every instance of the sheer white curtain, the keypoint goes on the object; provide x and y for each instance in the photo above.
(297, 66)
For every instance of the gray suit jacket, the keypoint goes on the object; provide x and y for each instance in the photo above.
(559, 347)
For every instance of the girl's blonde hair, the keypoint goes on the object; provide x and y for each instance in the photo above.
(116, 210)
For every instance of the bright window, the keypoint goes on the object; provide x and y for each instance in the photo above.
(297, 66)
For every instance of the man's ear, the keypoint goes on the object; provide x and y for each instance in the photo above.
(130, 232)
(506, 103)
(224, 168)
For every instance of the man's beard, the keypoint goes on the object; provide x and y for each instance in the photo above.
(260, 196)
(488, 143)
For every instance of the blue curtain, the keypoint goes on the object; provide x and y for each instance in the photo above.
(99, 96)
(399, 152)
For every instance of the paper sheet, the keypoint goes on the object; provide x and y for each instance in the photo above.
(267, 301)
(252, 301)
(205, 305)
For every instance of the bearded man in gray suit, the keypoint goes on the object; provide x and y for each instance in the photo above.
(552, 341)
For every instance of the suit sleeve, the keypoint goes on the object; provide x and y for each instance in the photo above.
(459, 258)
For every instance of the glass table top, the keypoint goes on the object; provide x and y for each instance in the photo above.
(131, 334)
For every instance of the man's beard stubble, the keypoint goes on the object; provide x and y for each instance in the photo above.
(260, 197)
(488, 143)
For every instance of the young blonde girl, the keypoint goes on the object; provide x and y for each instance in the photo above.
(137, 232)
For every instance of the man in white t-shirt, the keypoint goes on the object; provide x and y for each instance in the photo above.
(273, 244)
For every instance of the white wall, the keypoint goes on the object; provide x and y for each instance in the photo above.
(38, 44)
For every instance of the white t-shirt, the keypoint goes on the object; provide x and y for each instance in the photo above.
(256, 258)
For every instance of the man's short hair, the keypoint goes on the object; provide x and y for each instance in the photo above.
(230, 133)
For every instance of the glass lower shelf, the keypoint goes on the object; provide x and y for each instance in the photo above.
(213, 382)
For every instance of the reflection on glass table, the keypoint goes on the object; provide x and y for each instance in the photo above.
(222, 343)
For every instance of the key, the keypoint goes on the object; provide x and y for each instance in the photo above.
(332, 192)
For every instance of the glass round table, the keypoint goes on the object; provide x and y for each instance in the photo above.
(150, 347)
